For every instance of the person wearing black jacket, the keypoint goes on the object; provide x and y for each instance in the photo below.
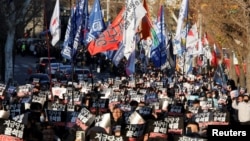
(117, 121)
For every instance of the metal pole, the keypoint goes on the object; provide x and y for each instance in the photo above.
(108, 1)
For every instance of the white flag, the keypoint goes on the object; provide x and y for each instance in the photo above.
(133, 16)
(55, 23)
(235, 60)
(182, 15)
(192, 37)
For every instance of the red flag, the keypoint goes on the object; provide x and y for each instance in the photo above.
(200, 60)
(237, 70)
(214, 61)
(146, 23)
(244, 67)
(226, 61)
(110, 38)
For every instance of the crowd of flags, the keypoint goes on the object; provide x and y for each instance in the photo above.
(132, 27)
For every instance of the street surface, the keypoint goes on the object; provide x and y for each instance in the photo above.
(21, 66)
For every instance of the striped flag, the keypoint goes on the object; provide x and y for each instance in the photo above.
(159, 53)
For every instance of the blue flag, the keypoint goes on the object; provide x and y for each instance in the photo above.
(81, 23)
(130, 67)
(159, 53)
(170, 58)
(110, 54)
(96, 22)
(77, 22)
(118, 54)
(219, 76)
(69, 36)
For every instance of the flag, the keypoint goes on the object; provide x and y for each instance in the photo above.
(77, 22)
(219, 76)
(170, 58)
(146, 23)
(192, 37)
(244, 64)
(226, 59)
(130, 67)
(55, 28)
(110, 38)
(69, 35)
(118, 55)
(182, 16)
(205, 40)
(214, 60)
(154, 50)
(81, 21)
(159, 53)
(110, 54)
(236, 65)
(134, 12)
(96, 22)
(200, 60)
(188, 64)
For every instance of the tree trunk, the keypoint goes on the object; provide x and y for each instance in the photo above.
(232, 73)
(242, 77)
(9, 54)
(248, 59)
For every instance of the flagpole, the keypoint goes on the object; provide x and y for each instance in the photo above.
(72, 54)
(161, 35)
(186, 39)
(48, 46)
(108, 1)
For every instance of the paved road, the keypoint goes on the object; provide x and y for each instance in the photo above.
(21, 66)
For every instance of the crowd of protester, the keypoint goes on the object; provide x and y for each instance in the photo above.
(148, 106)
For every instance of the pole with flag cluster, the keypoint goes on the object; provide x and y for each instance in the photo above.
(55, 31)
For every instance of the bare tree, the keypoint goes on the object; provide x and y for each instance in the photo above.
(228, 22)
(13, 11)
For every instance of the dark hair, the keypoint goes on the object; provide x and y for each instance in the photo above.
(47, 125)
(134, 103)
(116, 107)
(194, 123)
(196, 101)
(231, 83)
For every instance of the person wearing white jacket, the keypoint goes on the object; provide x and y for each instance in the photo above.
(243, 109)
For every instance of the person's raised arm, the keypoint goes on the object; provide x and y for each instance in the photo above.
(234, 103)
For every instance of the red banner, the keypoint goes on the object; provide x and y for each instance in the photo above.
(9, 138)
(146, 24)
(226, 61)
(237, 70)
(110, 38)
(244, 67)
(214, 61)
